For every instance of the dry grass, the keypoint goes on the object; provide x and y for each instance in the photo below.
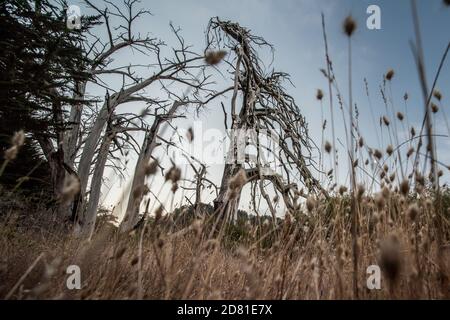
(309, 256)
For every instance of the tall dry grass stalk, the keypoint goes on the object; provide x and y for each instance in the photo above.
(330, 96)
(349, 27)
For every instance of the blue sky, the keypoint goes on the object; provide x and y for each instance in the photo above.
(293, 27)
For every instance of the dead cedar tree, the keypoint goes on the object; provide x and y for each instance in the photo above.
(265, 107)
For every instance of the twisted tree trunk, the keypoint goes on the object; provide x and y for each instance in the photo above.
(135, 197)
(71, 137)
(94, 196)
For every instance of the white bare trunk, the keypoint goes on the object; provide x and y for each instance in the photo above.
(71, 137)
(132, 212)
(91, 143)
(96, 185)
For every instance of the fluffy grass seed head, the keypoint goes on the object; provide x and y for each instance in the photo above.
(319, 95)
(434, 107)
(151, 167)
(413, 132)
(174, 174)
(404, 187)
(11, 153)
(389, 75)
(349, 26)
(342, 190)
(190, 134)
(70, 189)
(328, 147)
(215, 57)
(389, 150)
(310, 203)
(413, 212)
(236, 183)
(437, 94)
(18, 139)
(390, 258)
(17, 142)
(378, 154)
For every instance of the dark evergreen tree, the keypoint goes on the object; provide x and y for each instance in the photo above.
(41, 61)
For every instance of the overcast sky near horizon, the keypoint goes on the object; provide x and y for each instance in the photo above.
(293, 27)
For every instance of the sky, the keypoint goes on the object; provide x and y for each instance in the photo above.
(293, 27)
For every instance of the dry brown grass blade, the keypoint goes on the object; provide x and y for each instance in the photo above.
(22, 278)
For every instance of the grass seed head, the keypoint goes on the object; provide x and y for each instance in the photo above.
(174, 174)
(404, 187)
(378, 154)
(70, 189)
(319, 94)
(360, 191)
(236, 183)
(413, 132)
(158, 213)
(361, 142)
(190, 134)
(18, 139)
(310, 203)
(215, 57)
(389, 74)
(138, 191)
(328, 147)
(11, 153)
(437, 94)
(434, 107)
(390, 258)
(389, 150)
(386, 192)
(392, 177)
(349, 26)
(410, 152)
(151, 167)
(134, 261)
(413, 212)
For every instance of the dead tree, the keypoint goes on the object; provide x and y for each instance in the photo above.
(101, 55)
(264, 105)
(200, 97)
(185, 68)
(120, 37)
